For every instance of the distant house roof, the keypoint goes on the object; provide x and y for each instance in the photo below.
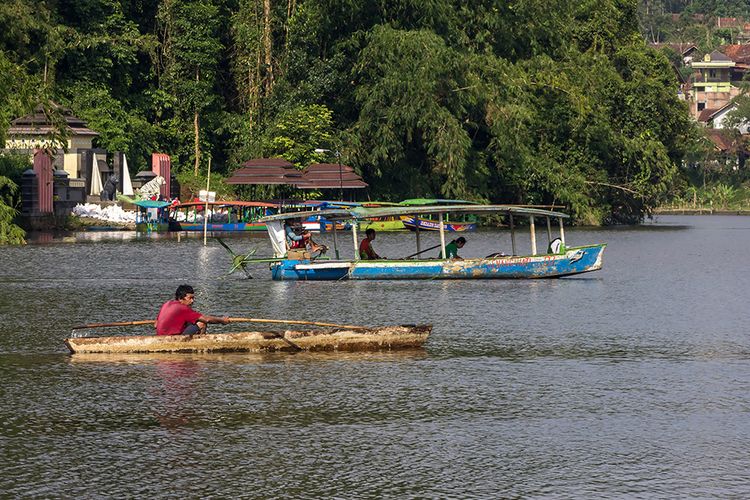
(685, 49)
(706, 114)
(266, 171)
(709, 114)
(737, 53)
(719, 56)
(722, 140)
(38, 123)
(732, 22)
(331, 175)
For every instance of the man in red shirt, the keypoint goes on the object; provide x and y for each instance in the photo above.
(365, 248)
(177, 317)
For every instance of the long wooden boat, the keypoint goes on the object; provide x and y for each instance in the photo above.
(342, 339)
(232, 216)
(557, 261)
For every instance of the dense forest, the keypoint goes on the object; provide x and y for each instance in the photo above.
(512, 102)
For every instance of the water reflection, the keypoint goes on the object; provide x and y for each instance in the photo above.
(176, 393)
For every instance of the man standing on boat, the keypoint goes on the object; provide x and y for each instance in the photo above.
(451, 249)
(177, 317)
(366, 251)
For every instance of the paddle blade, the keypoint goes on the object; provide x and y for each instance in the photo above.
(221, 242)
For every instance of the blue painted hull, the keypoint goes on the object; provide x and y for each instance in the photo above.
(575, 260)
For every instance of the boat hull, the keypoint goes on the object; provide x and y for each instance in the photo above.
(152, 227)
(383, 338)
(413, 223)
(575, 260)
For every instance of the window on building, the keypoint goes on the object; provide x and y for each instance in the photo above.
(701, 106)
(712, 73)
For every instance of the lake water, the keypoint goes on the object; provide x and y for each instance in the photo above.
(630, 381)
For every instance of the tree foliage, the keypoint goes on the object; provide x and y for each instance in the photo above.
(493, 101)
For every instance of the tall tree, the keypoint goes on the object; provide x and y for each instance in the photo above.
(190, 48)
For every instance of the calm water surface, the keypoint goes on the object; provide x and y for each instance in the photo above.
(631, 381)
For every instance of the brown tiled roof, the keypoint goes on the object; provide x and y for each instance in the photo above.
(721, 140)
(331, 175)
(37, 123)
(706, 114)
(732, 22)
(266, 171)
(738, 53)
(719, 56)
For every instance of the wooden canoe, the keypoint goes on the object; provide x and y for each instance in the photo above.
(370, 339)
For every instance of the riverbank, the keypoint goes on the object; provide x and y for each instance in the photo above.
(700, 211)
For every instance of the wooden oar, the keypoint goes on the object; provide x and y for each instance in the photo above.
(421, 251)
(231, 320)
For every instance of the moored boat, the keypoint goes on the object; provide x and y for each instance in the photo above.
(330, 339)
(152, 216)
(415, 222)
(557, 261)
(228, 216)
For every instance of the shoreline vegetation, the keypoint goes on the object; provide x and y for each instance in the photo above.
(441, 100)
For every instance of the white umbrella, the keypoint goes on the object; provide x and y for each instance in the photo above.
(127, 186)
(96, 179)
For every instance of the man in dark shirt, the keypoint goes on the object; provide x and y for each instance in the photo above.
(177, 316)
(366, 251)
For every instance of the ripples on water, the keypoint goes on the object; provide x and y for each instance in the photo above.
(632, 381)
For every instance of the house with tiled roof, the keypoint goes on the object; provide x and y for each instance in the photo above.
(686, 50)
(715, 82)
(715, 118)
(36, 131)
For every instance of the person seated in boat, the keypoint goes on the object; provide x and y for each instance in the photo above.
(451, 249)
(366, 251)
(297, 237)
(177, 317)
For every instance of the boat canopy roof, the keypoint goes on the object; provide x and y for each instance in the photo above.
(432, 201)
(368, 213)
(151, 203)
(226, 203)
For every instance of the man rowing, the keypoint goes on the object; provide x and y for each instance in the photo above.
(177, 317)
(451, 249)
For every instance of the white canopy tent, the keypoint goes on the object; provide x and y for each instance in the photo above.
(96, 178)
(127, 185)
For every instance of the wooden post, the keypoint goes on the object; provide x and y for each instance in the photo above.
(549, 231)
(532, 228)
(562, 231)
(419, 246)
(356, 246)
(335, 241)
(512, 234)
(442, 236)
(205, 210)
